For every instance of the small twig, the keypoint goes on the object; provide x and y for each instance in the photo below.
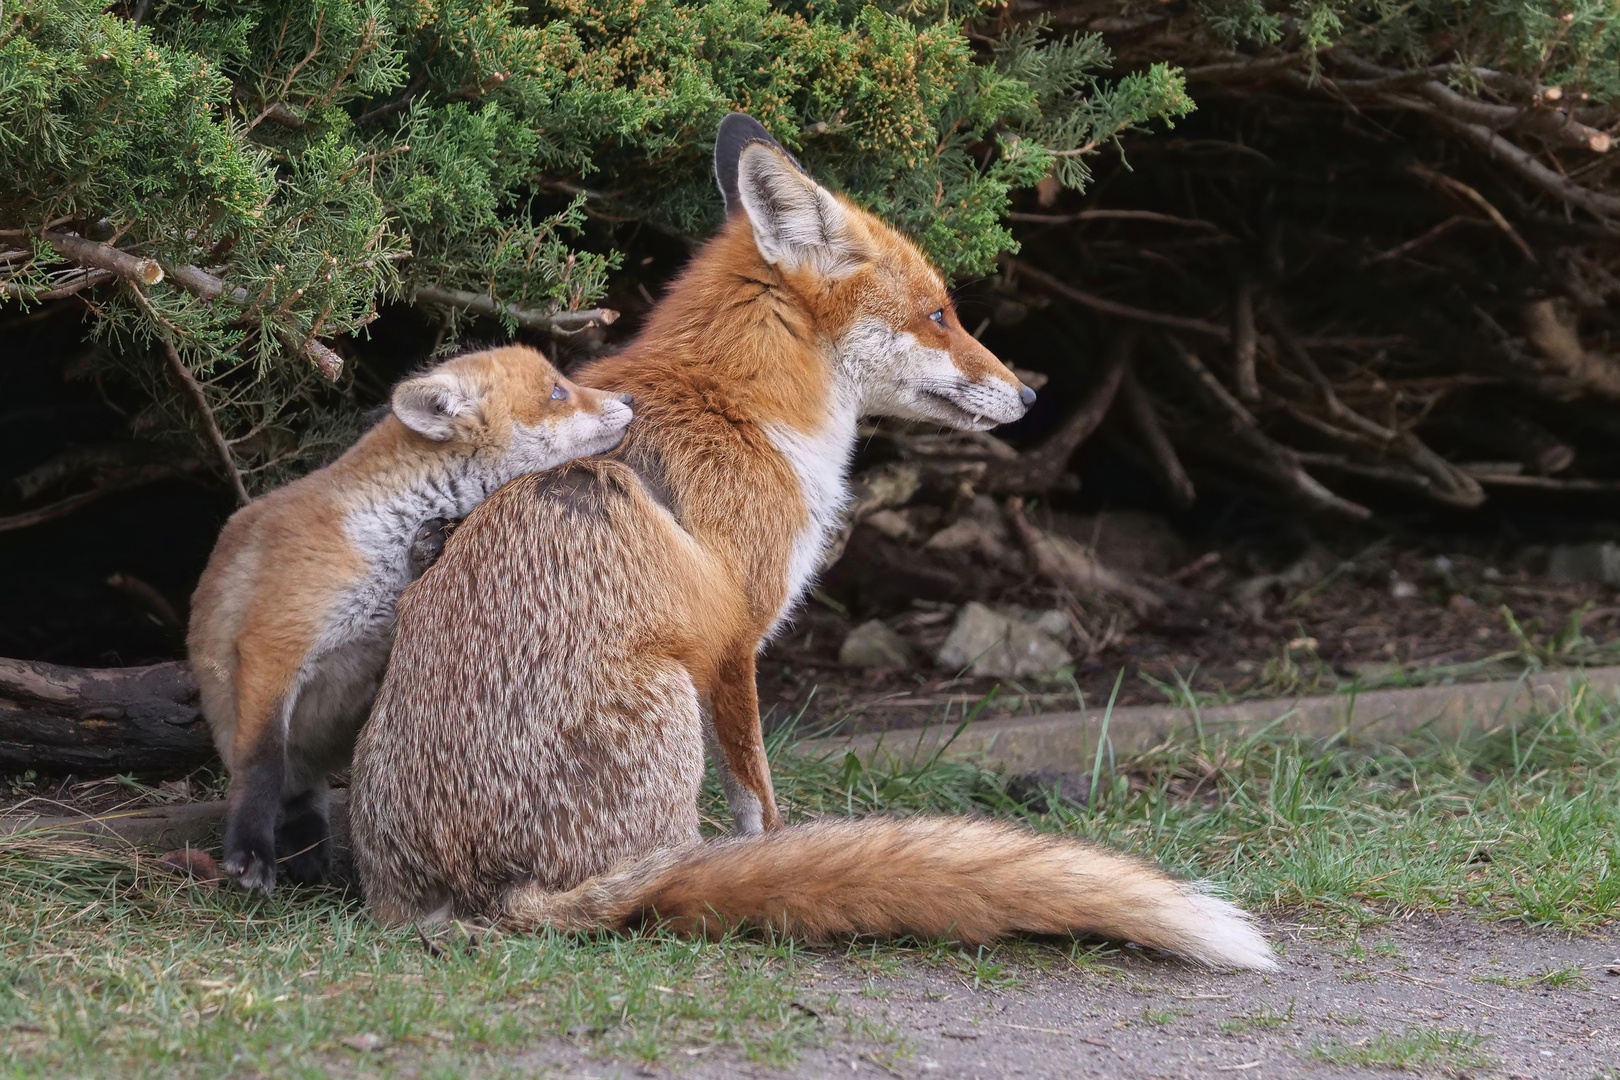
(68, 288)
(1140, 406)
(1113, 307)
(1419, 241)
(312, 351)
(482, 304)
(217, 437)
(1457, 187)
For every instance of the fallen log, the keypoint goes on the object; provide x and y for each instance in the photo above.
(100, 720)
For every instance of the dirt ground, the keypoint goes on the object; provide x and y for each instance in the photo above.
(1475, 991)
(1235, 624)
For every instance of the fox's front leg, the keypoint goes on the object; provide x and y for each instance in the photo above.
(744, 771)
(258, 775)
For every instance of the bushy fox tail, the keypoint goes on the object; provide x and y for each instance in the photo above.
(966, 880)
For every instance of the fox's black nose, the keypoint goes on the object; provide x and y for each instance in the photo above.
(626, 398)
(1026, 395)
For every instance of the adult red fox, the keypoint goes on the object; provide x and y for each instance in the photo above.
(535, 752)
(292, 620)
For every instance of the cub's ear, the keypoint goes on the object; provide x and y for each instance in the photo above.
(737, 130)
(796, 222)
(430, 404)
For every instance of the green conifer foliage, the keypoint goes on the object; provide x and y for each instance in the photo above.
(290, 165)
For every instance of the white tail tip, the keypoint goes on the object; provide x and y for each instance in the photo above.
(1222, 935)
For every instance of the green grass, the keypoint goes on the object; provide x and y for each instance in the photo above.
(110, 967)
(1264, 1018)
(1521, 822)
(1570, 976)
(1415, 1048)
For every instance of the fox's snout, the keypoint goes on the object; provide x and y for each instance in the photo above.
(616, 410)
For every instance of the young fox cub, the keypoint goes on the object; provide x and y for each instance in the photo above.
(293, 618)
(536, 749)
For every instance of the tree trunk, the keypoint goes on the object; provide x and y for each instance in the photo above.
(100, 720)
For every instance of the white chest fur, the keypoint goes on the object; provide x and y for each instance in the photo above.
(820, 461)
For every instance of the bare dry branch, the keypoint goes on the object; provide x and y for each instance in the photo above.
(1040, 469)
(1277, 460)
(1116, 215)
(104, 257)
(1440, 179)
(481, 304)
(1140, 407)
(1113, 307)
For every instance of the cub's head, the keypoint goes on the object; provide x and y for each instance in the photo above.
(511, 404)
(894, 331)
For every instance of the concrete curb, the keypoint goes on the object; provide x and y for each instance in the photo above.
(1065, 740)
(1068, 740)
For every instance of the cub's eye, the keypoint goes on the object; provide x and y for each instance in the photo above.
(559, 393)
(939, 317)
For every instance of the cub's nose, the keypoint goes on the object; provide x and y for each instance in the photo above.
(1026, 395)
(626, 398)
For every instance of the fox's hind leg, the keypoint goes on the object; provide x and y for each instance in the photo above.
(264, 699)
(304, 838)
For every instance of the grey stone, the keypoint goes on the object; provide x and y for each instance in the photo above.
(1039, 789)
(990, 644)
(874, 645)
(1049, 621)
(1598, 562)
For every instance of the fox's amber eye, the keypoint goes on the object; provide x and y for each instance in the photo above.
(559, 393)
(939, 317)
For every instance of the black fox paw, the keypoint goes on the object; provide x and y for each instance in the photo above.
(251, 863)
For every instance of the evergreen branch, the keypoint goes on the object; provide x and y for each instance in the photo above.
(195, 391)
(482, 304)
(201, 283)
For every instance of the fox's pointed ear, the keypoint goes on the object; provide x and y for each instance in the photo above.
(737, 130)
(796, 222)
(430, 404)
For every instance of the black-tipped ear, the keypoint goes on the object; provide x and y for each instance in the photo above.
(737, 130)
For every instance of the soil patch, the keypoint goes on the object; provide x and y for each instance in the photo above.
(1231, 629)
(1447, 996)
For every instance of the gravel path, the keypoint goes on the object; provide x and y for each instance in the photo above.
(1444, 996)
